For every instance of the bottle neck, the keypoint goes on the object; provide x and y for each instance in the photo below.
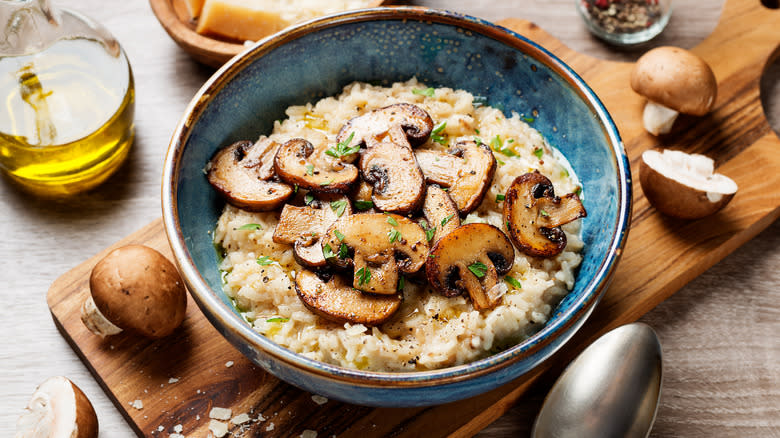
(27, 26)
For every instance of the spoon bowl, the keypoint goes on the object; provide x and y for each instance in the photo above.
(610, 390)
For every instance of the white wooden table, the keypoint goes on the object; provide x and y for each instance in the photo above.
(720, 334)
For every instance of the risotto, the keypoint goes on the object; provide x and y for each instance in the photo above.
(429, 330)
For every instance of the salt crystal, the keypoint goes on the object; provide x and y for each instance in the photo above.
(173, 380)
(320, 400)
(220, 413)
(270, 427)
(218, 428)
(178, 428)
(176, 435)
(229, 363)
(308, 433)
(138, 404)
(240, 419)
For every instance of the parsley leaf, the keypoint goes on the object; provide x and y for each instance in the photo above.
(529, 119)
(500, 198)
(265, 261)
(539, 152)
(338, 207)
(429, 233)
(436, 133)
(544, 213)
(478, 268)
(401, 282)
(250, 227)
(308, 199)
(277, 319)
(339, 235)
(446, 219)
(326, 183)
(343, 251)
(426, 92)
(363, 205)
(327, 251)
(310, 169)
(513, 282)
(343, 148)
(394, 235)
(391, 220)
(578, 191)
(363, 276)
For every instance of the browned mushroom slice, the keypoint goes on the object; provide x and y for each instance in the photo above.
(378, 246)
(241, 172)
(533, 215)
(441, 213)
(467, 170)
(304, 227)
(388, 163)
(361, 196)
(470, 259)
(336, 301)
(299, 162)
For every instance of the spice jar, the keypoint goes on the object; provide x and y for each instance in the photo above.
(625, 22)
(66, 117)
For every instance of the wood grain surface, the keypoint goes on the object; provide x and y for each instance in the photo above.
(719, 332)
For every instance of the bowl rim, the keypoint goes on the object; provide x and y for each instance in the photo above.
(216, 311)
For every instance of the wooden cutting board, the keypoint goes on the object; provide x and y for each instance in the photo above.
(179, 379)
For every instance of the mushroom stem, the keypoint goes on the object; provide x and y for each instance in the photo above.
(95, 321)
(658, 119)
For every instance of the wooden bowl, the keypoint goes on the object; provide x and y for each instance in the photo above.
(208, 50)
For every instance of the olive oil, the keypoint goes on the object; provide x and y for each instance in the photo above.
(66, 115)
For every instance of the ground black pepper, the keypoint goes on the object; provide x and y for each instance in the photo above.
(623, 16)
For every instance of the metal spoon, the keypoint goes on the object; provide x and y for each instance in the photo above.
(610, 390)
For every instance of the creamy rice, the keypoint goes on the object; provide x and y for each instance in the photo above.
(429, 331)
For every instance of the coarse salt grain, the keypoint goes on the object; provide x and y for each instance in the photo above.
(240, 419)
(138, 404)
(218, 428)
(229, 363)
(173, 380)
(178, 428)
(270, 427)
(220, 413)
(320, 400)
(176, 435)
(308, 433)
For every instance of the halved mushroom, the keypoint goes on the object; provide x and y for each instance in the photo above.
(388, 163)
(242, 172)
(440, 212)
(534, 215)
(337, 301)
(684, 185)
(299, 162)
(304, 228)
(378, 246)
(58, 408)
(470, 259)
(467, 170)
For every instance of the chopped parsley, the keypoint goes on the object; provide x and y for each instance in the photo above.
(250, 227)
(327, 251)
(339, 235)
(498, 145)
(308, 199)
(513, 282)
(265, 261)
(429, 232)
(578, 191)
(310, 169)
(436, 133)
(500, 198)
(428, 92)
(363, 276)
(446, 219)
(343, 251)
(401, 282)
(529, 119)
(277, 319)
(394, 235)
(544, 213)
(539, 152)
(478, 268)
(338, 207)
(343, 148)
(363, 205)
(326, 183)
(391, 220)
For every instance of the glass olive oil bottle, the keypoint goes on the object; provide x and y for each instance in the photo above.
(66, 114)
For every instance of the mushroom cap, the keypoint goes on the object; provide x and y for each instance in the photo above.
(58, 408)
(456, 259)
(299, 162)
(139, 290)
(241, 173)
(533, 215)
(337, 301)
(675, 78)
(304, 227)
(467, 169)
(683, 185)
(440, 212)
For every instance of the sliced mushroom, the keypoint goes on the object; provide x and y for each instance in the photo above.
(304, 227)
(684, 185)
(362, 196)
(58, 408)
(440, 212)
(377, 246)
(467, 170)
(242, 173)
(470, 259)
(388, 163)
(299, 162)
(534, 215)
(337, 301)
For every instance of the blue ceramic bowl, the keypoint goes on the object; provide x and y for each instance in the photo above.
(318, 58)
